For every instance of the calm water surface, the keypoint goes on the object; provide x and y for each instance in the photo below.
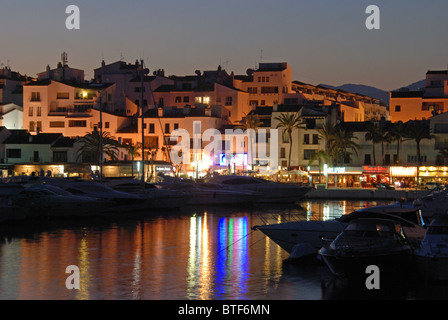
(195, 253)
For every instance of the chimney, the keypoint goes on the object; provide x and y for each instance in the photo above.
(160, 112)
(275, 107)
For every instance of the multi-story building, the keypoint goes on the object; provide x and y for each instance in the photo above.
(408, 105)
(52, 106)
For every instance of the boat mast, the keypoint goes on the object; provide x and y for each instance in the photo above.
(142, 74)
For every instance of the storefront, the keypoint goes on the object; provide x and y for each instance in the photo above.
(373, 175)
(433, 174)
(403, 177)
(6, 170)
(337, 177)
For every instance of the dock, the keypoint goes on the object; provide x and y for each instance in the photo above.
(365, 194)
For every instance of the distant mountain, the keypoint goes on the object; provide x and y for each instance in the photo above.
(363, 89)
(416, 86)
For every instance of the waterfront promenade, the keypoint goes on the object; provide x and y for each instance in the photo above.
(365, 194)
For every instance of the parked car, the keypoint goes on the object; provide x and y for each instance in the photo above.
(385, 186)
(432, 185)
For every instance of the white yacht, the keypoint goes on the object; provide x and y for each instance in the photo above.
(431, 258)
(49, 201)
(270, 191)
(304, 238)
(120, 201)
(210, 194)
(156, 198)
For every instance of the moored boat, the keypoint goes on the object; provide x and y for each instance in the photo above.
(369, 242)
(271, 192)
(308, 234)
(431, 257)
(211, 195)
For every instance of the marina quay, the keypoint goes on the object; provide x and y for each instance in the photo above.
(216, 170)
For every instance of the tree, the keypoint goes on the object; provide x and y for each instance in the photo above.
(327, 133)
(418, 130)
(133, 152)
(340, 143)
(289, 122)
(322, 158)
(91, 146)
(373, 134)
(397, 133)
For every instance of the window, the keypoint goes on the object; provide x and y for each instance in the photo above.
(35, 96)
(252, 90)
(32, 126)
(307, 154)
(253, 102)
(306, 139)
(315, 139)
(59, 156)
(176, 126)
(57, 124)
(30, 111)
(77, 123)
(397, 108)
(263, 102)
(152, 142)
(367, 159)
(269, 89)
(107, 125)
(229, 101)
(62, 95)
(178, 99)
(387, 159)
(285, 137)
(186, 99)
(167, 128)
(39, 125)
(14, 153)
(282, 153)
(151, 128)
(39, 111)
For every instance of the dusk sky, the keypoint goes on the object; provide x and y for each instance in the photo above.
(324, 41)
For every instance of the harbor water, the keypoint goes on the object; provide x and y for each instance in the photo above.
(188, 254)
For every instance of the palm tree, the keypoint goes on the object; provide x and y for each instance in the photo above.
(91, 145)
(133, 152)
(373, 134)
(289, 122)
(327, 133)
(418, 130)
(341, 142)
(322, 158)
(397, 133)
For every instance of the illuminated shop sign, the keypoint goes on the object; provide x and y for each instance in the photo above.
(403, 171)
(238, 160)
(375, 170)
(336, 170)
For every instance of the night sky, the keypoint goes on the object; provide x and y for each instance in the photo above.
(324, 41)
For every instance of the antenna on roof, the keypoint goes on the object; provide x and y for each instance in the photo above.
(261, 56)
(64, 58)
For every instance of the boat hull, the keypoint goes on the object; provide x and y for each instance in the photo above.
(313, 233)
(354, 267)
(432, 267)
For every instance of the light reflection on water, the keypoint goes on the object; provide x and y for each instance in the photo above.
(193, 254)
